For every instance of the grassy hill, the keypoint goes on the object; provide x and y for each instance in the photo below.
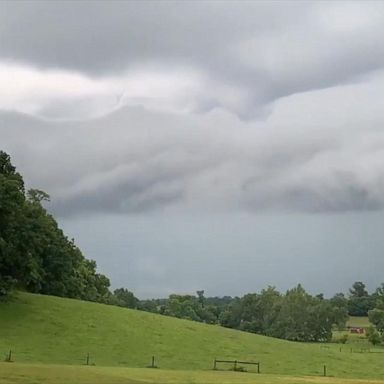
(44, 329)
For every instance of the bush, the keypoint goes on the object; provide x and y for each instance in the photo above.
(343, 338)
(373, 336)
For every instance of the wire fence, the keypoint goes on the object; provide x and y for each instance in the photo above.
(170, 361)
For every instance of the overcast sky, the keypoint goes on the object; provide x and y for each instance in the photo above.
(223, 146)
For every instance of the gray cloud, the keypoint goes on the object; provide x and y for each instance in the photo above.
(328, 159)
(214, 145)
(104, 36)
(256, 52)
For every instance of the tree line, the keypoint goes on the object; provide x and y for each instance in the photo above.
(36, 256)
(293, 315)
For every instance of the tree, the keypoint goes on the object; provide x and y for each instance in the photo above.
(303, 317)
(256, 312)
(360, 302)
(182, 306)
(13, 263)
(339, 305)
(231, 316)
(149, 306)
(294, 316)
(378, 297)
(376, 317)
(35, 254)
(200, 297)
(373, 336)
(358, 290)
(125, 298)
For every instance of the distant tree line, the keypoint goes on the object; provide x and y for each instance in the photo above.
(294, 315)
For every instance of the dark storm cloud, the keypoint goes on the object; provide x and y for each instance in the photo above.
(259, 51)
(104, 36)
(123, 163)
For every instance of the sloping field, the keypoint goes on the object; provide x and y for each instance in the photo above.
(44, 329)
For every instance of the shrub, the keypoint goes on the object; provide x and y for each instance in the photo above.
(343, 338)
(373, 336)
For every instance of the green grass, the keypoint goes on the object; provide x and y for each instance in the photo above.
(58, 374)
(355, 321)
(356, 341)
(49, 330)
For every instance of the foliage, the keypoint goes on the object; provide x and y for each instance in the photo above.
(35, 255)
(358, 290)
(124, 298)
(13, 264)
(379, 297)
(294, 316)
(303, 317)
(373, 336)
(189, 307)
(360, 302)
(343, 338)
(376, 317)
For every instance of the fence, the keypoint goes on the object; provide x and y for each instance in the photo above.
(235, 363)
(190, 363)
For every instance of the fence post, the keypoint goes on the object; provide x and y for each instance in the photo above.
(235, 366)
(258, 367)
(87, 360)
(214, 364)
(153, 362)
(325, 370)
(9, 357)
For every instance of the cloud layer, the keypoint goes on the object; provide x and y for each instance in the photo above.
(217, 145)
(321, 151)
(189, 56)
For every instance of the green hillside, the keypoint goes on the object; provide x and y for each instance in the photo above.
(45, 329)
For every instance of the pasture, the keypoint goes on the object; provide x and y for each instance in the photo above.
(355, 321)
(51, 337)
(58, 374)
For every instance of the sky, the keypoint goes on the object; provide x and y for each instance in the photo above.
(215, 145)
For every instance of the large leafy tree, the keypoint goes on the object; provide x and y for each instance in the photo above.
(125, 298)
(35, 254)
(14, 264)
(358, 290)
(339, 308)
(294, 316)
(304, 317)
(360, 302)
